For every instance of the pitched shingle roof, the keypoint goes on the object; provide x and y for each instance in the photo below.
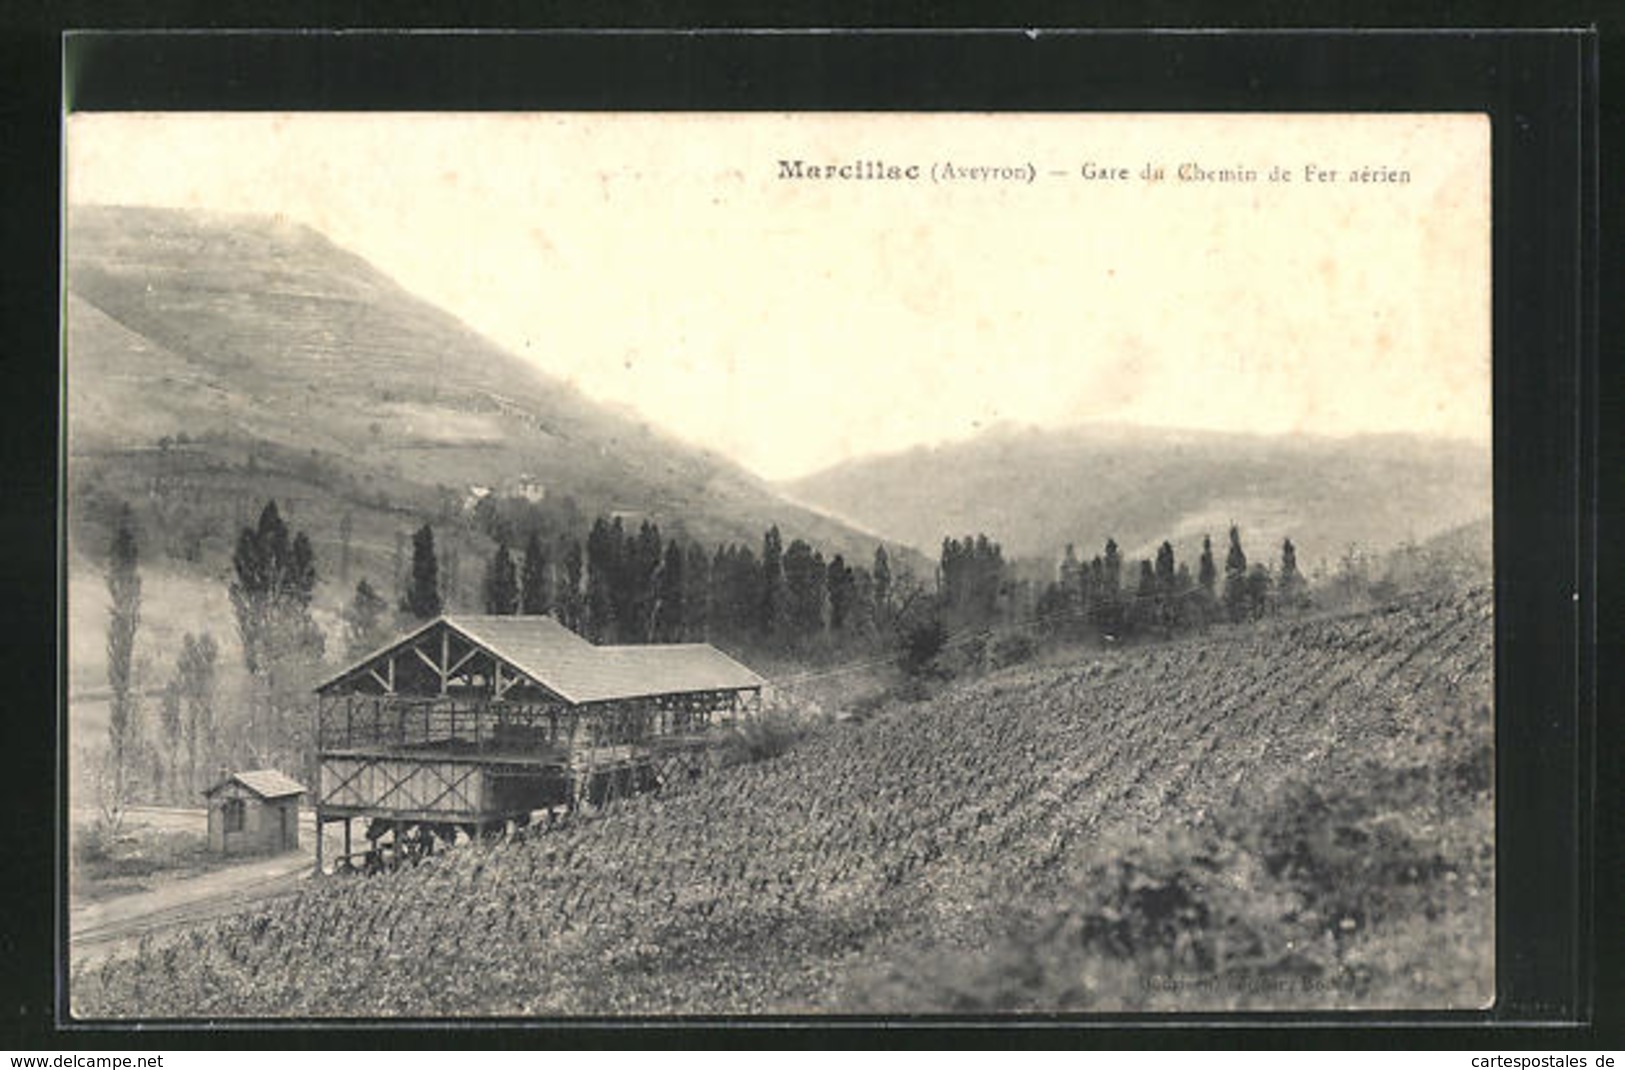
(577, 671)
(266, 783)
(674, 669)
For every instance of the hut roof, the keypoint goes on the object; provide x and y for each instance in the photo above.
(266, 783)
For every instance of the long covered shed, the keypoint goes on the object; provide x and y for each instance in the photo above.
(473, 722)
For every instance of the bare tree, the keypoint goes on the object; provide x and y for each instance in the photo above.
(195, 672)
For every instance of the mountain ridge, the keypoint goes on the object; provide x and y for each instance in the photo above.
(217, 361)
(252, 328)
(1037, 490)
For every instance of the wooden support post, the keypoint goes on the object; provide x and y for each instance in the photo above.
(445, 659)
(319, 822)
(347, 851)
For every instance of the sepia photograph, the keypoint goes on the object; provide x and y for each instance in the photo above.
(630, 565)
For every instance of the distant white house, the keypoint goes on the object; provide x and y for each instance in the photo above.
(526, 486)
(529, 488)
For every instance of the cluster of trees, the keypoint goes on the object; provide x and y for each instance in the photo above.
(273, 582)
(983, 607)
(1360, 578)
(172, 760)
(637, 586)
(622, 586)
(1162, 596)
(190, 728)
(271, 588)
(971, 583)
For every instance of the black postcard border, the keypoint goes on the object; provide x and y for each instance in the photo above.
(1538, 87)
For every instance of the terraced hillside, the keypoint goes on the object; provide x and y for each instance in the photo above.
(217, 361)
(219, 356)
(1293, 814)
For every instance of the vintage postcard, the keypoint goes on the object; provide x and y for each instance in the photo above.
(571, 565)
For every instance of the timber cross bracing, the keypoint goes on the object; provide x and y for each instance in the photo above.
(475, 721)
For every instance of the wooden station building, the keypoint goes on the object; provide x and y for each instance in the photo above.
(471, 724)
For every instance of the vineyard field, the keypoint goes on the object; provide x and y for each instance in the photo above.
(1293, 814)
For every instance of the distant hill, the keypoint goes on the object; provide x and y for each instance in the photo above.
(1035, 491)
(215, 361)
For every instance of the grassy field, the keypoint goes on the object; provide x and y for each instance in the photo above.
(1293, 815)
(104, 865)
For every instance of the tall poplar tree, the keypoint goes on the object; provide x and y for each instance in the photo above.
(671, 590)
(274, 579)
(645, 556)
(195, 668)
(422, 599)
(1235, 577)
(803, 590)
(697, 594)
(1167, 594)
(569, 593)
(501, 583)
(534, 596)
(603, 555)
(880, 574)
(1069, 595)
(840, 587)
(1143, 610)
(123, 621)
(1207, 574)
(1291, 589)
(1106, 580)
(772, 618)
(166, 764)
(364, 620)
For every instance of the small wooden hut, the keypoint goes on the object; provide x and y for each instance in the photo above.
(254, 812)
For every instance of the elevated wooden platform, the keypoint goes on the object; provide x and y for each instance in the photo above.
(473, 724)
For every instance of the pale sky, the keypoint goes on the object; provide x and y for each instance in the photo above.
(660, 262)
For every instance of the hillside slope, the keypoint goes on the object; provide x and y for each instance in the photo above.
(1035, 491)
(1308, 799)
(214, 362)
(249, 333)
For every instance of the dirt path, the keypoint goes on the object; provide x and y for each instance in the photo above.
(98, 930)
